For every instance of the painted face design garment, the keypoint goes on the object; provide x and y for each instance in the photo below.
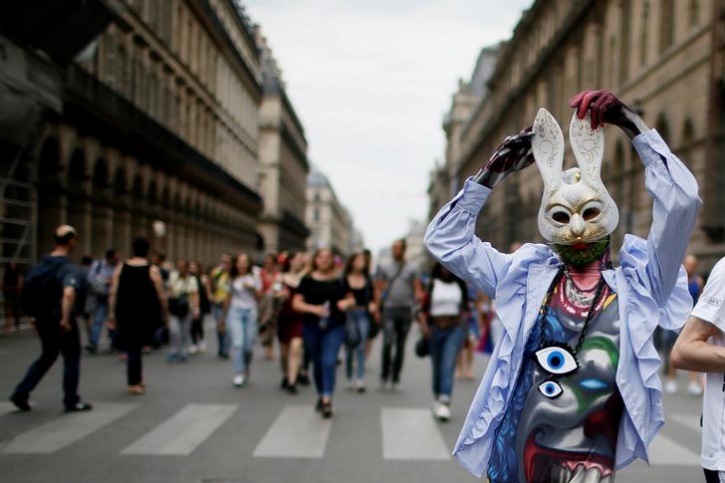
(563, 428)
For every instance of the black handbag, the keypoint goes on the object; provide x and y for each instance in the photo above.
(422, 347)
(179, 306)
(352, 332)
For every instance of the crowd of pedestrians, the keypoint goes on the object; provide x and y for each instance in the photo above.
(308, 304)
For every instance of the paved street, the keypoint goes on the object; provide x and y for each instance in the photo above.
(193, 426)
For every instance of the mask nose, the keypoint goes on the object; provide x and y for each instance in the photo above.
(577, 225)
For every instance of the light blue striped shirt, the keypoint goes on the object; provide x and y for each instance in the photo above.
(651, 288)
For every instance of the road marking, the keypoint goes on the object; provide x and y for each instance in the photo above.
(664, 451)
(181, 434)
(66, 429)
(412, 434)
(298, 432)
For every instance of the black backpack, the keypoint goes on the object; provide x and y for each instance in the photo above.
(41, 291)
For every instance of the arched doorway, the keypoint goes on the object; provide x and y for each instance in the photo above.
(102, 212)
(122, 213)
(51, 201)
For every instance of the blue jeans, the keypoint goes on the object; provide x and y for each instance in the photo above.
(323, 346)
(55, 342)
(222, 336)
(100, 315)
(444, 347)
(362, 319)
(242, 329)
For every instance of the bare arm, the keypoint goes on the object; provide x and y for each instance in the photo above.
(158, 282)
(692, 351)
(112, 296)
(69, 297)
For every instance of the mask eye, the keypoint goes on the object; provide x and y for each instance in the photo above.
(591, 213)
(560, 217)
(550, 389)
(557, 360)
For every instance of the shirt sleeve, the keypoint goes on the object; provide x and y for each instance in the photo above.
(675, 205)
(451, 238)
(191, 284)
(71, 278)
(711, 305)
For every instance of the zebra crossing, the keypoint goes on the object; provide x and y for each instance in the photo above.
(407, 434)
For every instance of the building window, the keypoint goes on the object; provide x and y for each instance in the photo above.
(644, 29)
(316, 214)
(625, 27)
(694, 12)
(667, 24)
(110, 61)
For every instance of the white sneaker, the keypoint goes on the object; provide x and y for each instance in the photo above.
(671, 386)
(442, 411)
(694, 388)
(202, 346)
(239, 380)
(192, 349)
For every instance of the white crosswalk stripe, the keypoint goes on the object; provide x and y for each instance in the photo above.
(67, 429)
(181, 434)
(411, 434)
(298, 432)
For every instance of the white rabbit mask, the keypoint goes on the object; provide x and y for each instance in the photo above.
(576, 207)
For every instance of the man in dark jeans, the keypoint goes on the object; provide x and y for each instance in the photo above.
(52, 286)
(400, 283)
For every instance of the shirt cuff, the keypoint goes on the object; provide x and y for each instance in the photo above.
(650, 146)
(473, 197)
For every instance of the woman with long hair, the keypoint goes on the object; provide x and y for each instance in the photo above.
(357, 281)
(240, 315)
(443, 321)
(322, 299)
(183, 307)
(290, 328)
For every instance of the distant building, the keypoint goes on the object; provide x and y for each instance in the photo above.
(283, 162)
(159, 122)
(664, 58)
(329, 221)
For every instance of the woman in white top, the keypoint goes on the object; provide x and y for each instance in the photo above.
(240, 315)
(443, 321)
(183, 307)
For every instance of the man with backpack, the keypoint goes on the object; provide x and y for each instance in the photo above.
(100, 276)
(49, 295)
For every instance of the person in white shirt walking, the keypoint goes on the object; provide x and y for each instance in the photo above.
(701, 347)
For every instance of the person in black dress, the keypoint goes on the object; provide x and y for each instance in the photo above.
(137, 301)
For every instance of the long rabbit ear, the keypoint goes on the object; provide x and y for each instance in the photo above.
(588, 147)
(548, 147)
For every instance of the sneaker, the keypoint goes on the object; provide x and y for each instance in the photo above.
(694, 388)
(91, 349)
(291, 389)
(239, 380)
(441, 411)
(136, 390)
(192, 350)
(359, 386)
(20, 402)
(202, 347)
(284, 384)
(671, 386)
(80, 406)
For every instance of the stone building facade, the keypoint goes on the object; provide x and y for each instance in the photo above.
(159, 123)
(283, 162)
(330, 223)
(664, 57)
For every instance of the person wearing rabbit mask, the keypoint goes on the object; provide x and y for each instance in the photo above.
(571, 393)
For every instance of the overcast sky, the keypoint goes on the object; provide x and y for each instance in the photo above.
(371, 81)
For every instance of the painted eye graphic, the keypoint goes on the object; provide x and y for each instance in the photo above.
(550, 389)
(557, 360)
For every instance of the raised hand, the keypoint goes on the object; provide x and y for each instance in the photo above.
(606, 108)
(514, 154)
